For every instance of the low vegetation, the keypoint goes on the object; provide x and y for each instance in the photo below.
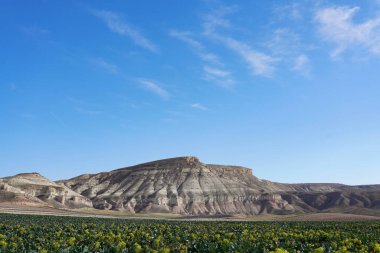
(29, 233)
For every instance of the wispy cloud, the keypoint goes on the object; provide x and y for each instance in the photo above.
(286, 46)
(221, 77)
(284, 42)
(214, 74)
(117, 25)
(197, 46)
(199, 106)
(290, 11)
(258, 62)
(149, 85)
(216, 19)
(154, 88)
(336, 24)
(105, 65)
(301, 64)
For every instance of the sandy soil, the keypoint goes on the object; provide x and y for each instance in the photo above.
(22, 209)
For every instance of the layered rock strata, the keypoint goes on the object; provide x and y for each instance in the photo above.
(184, 185)
(34, 189)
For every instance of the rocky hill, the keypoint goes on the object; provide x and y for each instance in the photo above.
(32, 189)
(185, 185)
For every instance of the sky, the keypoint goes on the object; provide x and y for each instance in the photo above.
(290, 89)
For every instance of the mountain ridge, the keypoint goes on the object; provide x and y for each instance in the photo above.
(185, 185)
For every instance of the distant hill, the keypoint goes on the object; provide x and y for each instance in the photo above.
(184, 185)
(32, 189)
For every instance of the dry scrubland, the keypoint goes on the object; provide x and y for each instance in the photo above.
(89, 212)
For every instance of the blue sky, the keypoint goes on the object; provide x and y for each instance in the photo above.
(290, 89)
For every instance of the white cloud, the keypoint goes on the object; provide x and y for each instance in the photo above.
(105, 65)
(116, 24)
(213, 74)
(216, 72)
(284, 42)
(186, 37)
(216, 19)
(301, 64)
(198, 47)
(290, 11)
(154, 87)
(199, 107)
(259, 63)
(219, 76)
(337, 26)
(286, 46)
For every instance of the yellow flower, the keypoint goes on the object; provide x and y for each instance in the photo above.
(121, 245)
(279, 250)
(319, 250)
(3, 244)
(165, 250)
(377, 247)
(71, 241)
(137, 248)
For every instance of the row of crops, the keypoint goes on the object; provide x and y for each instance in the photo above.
(28, 233)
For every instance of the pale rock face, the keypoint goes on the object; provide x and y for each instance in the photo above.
(32, 187)
(184, 185)
(180, 185)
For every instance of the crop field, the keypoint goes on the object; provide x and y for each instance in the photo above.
(32, 233)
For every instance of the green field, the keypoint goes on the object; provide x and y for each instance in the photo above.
(29, 233)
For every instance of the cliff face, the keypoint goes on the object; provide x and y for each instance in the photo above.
(34, 189)
(180, 185)
(185, 185)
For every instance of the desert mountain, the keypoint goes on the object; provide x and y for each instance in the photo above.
(187, 186)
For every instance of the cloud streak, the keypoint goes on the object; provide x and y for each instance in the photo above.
(301, 64)
(292, 11)
(199, 106)
(149, 85)
(154, 88)
(214, 74)
(112, 68)
(259, 63)
(117, 25)
(336, 25)
(196, 46)
(221, 77)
